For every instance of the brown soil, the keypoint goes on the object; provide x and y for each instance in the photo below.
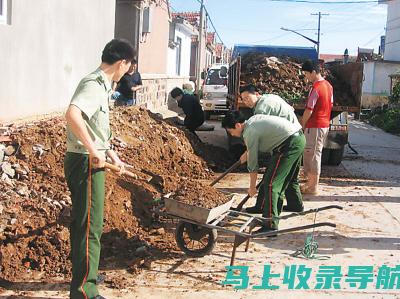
(284, 78)
(35, 204)
(200, 195)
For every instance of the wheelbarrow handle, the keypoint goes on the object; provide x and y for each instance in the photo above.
(230, 169)
(246, 198)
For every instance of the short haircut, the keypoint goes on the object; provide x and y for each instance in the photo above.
(117, 49)
(176, 92)
(310, 66)
(232, 118)
(250, 88)
(134, 61)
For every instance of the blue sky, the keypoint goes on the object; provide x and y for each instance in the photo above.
(259, 22)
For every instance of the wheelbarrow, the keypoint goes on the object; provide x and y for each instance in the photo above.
(197, 228)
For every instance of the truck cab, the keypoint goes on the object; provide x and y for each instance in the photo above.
(215, 90)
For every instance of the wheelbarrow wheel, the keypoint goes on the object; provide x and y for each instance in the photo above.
(195, 240)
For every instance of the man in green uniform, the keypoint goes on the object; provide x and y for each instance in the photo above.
(88, 136)
(285, 142)
(271, 104)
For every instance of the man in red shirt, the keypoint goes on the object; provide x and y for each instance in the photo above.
(315, 122)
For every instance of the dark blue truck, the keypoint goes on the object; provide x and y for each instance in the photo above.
(338, 131)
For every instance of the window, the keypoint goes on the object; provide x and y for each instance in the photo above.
(178, 55)
(213, 78)
(4, 11)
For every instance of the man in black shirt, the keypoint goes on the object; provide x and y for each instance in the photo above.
(130, 83)
(194, 115)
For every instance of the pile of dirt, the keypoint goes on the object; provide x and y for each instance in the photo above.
(283, 76)
(200, 195)
(35, 203)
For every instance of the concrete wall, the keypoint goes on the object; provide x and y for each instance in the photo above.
(377, 83)
(45, 51)
(392, 42)
(153, 46)
(186, 49)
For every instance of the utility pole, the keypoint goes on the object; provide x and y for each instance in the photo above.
(319, 14)
(200, 48)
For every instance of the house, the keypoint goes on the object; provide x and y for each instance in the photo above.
(336, 58)
(180, 47)
(223, 54)
(392, 37)
(146, 24)
(376, 85)
(194, 19)
(43, 58)
(365, 54)
(210, 49)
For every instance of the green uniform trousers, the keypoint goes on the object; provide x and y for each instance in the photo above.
(281, 178)
(87, 193)
(290, 192)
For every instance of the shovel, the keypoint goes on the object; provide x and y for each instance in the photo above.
(245, 199)
(230, 169)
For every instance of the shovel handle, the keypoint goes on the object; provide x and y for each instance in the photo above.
(245, 199)
(230, 169)
(117, 169)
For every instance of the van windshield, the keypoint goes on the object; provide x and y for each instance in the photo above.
(213, 78)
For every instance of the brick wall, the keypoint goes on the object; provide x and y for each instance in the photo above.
(156, 89)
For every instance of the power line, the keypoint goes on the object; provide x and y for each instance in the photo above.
(352, 18)
(329, 2)
(372, 39)
(211, 22)
(278, 36)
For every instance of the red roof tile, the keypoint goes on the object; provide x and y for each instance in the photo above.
(192, 17)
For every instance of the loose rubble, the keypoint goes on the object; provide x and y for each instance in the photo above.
(283, 76)
(35, 203)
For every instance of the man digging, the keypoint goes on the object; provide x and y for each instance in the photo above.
(271, 104)
(285, 142)
(88, 136)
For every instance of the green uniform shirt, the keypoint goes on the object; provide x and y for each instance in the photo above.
(262, 133)
(92, 98)
(272, 104)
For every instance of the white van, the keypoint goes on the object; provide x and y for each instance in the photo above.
(215, 90)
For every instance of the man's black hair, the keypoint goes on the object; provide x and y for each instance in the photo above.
(134, 61)
(176, 92)
(232, 118)
(117, 49)
(250, 88)
(310, 66)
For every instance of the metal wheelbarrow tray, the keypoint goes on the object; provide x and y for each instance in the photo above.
(197, 229)
(197, 214)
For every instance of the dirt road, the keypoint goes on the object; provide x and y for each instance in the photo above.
(367, 234)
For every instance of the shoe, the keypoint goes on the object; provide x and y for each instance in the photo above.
(100, 279)
(253, 210)
(290, 209)
(265, 229)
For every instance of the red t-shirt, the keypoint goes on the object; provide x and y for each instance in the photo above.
(320, 102)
